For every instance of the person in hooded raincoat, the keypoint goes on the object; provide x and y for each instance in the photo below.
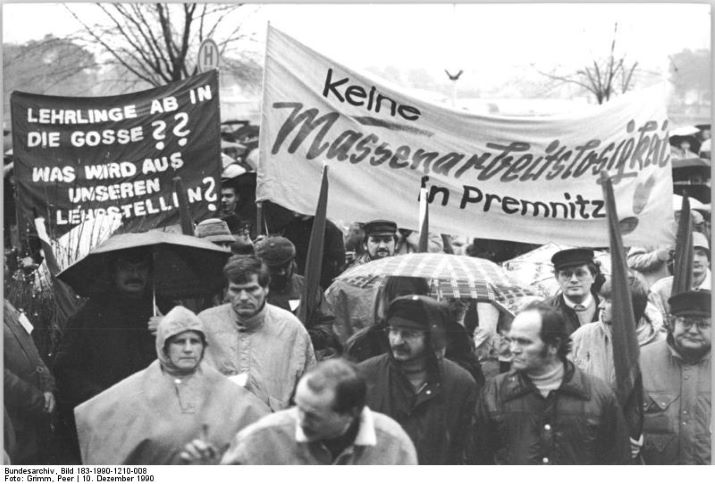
(148, 417)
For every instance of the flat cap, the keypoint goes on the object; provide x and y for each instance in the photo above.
(215, 230)
(691, 303)
(572, 257)
(380, 227)
(275, 251)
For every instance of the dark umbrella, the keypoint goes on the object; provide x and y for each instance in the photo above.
(183, 265)
(676, 139)
(684, 168)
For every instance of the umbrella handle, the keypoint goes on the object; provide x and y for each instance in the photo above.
(154, 309)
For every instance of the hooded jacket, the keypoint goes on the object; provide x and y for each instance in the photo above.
(438, 418)
(148, 417)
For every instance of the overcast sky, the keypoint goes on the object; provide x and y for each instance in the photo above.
(487, 41)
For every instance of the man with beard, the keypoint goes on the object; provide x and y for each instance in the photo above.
(353, 306)
(380, 241)
(431, 397)
(677, 382)
(546, 410)
(286, 288)
(258, 345)
(110, 337)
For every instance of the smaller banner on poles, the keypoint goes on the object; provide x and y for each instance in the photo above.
(81, 158)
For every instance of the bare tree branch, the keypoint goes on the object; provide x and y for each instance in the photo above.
(154, 42)
(599, 77)
(111, 50)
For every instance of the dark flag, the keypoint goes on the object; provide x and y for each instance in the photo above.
(424, 222)
(187, 224)
(65, 299)
(683, 263)
(626, 350)
(314, 259)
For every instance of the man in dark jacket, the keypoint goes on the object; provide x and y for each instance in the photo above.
(27, 388)
(545, 410)
(431, 397)
(579, 278)
(109, 338)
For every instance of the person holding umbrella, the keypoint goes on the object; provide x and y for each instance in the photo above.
(148, 417)
(129, 280)
(108, 339)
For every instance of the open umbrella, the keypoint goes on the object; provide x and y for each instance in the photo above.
(183, 266)
(456, 276)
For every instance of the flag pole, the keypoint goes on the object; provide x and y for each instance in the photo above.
(626, 350)
(683, 261)
(424, 222)
(314, 259)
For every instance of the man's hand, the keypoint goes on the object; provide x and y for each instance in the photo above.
(49, 402)
(636, 446)
(199, 452)
(664, 254)
(154, 323)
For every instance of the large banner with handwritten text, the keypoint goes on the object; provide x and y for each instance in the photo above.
(79, 158)
(523, 179)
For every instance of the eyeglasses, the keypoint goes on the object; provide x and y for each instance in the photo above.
(568, 273)
(688, 322)
(405, 333)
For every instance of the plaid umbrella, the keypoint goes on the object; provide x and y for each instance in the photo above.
(455, 276)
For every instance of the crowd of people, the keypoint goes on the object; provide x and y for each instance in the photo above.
(387, 373)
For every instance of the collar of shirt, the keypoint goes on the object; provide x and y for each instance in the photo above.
(587, 303)
(676, 355)
(706, 284)
(366, 435)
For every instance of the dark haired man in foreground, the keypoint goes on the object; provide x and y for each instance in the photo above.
(330, 424)
(545, 410)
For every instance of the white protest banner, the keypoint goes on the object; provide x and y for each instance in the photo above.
(523, 179)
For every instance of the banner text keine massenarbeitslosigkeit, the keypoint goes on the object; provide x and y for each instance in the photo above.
(525, 179)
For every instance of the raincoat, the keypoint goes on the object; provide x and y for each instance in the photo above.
(150, 416)
(353, 307)
(592, 344)
(269, 351)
